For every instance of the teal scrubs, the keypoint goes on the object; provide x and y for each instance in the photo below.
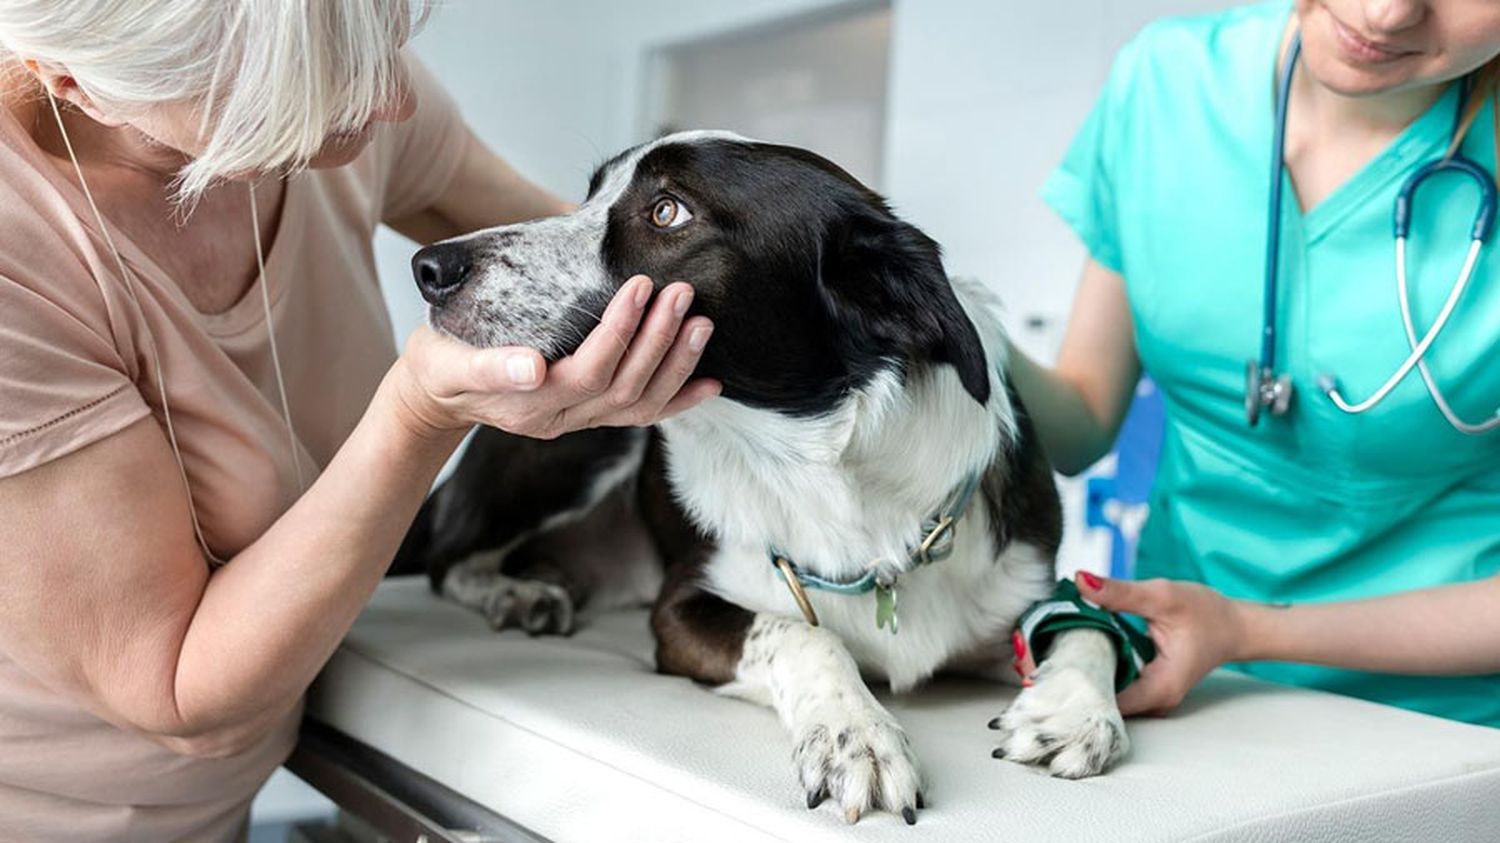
(1166, 184)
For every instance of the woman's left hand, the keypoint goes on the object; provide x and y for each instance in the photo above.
(1195, 628)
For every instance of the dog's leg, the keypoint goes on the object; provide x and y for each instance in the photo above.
(533, 605)
(845, 744)
(1068, 718)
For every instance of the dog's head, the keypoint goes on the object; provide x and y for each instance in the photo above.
(813, 285)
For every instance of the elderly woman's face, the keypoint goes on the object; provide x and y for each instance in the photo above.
(177, 126)
(1362, 47)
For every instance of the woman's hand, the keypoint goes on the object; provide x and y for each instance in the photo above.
(1195, 628)
(629, 371)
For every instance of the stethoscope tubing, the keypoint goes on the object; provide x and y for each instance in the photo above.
(1330, 384)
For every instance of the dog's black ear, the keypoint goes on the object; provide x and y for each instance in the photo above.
(884, 281)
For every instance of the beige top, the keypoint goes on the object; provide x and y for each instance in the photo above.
(74, 369)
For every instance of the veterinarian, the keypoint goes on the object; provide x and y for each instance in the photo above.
(1354, 553)
(209, 447)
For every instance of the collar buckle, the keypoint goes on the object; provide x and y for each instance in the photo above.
(938, 544)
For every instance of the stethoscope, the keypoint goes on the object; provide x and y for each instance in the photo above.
(1264, 388)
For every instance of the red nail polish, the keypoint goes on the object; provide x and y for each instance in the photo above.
(1093, 581)
(1018, 644)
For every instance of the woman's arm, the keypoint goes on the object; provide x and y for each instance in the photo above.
(1080, 404)
(485, 191)
(105, 596)
(1449, 630)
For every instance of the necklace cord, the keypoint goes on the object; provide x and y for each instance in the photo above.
(128, 282)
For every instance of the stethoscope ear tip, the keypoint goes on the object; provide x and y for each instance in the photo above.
(1328, 384)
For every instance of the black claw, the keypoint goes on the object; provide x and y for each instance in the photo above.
(921, 801)
(995, 724)
(998, 753)
(816, 799)
(909, 815)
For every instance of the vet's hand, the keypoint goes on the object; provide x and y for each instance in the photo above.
(631, 370)
(1195, 628)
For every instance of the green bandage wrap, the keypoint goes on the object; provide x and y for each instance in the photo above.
(1066, 609)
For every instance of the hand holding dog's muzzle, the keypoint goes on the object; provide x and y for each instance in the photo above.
(632, 370)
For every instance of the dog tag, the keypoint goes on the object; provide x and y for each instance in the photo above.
(885, 607)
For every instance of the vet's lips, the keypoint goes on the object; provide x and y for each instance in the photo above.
(1358, 49)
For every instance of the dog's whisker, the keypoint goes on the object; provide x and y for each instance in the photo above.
(599, 320)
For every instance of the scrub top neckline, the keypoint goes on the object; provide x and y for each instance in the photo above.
(1423, 138)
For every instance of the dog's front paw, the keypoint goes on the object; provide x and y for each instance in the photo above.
(1065, 722)
(861, 758)
(539, 608)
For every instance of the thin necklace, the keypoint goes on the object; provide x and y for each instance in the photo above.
(161, 384)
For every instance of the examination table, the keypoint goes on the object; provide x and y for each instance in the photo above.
(431, 727)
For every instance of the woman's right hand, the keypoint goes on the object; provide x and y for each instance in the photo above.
(631, 370)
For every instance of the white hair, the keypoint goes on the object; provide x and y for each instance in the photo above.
(271, 80)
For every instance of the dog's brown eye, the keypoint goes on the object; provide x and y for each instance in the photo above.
(669, 213)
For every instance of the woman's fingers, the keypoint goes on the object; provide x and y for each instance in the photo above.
(1147, 598)
(662, 335)
(691, 396)
(672, 374)
(450, 367)
(629, 370)
(1150, 693)
(592, 368)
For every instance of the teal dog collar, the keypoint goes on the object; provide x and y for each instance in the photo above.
(936, 545)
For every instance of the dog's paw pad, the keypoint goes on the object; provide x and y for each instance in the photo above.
(861, 760)
(539, 608)
(1064, 723)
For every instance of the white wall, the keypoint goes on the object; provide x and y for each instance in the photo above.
(985, 97)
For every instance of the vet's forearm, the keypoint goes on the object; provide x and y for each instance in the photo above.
(269, 619)
(1071, 432)
(1449, 630)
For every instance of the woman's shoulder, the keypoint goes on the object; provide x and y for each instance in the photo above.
(1182, 54)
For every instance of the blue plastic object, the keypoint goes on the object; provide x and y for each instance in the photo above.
(1137, 451)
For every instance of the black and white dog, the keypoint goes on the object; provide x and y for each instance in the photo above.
(862, 390)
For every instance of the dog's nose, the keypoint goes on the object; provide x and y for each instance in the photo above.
(440, 271)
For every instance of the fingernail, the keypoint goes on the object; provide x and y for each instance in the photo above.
(699, 337)
(521, 369)
(1093, 581)
(1018, 644)
(1027, 683)
(684, 301)
(642, 292)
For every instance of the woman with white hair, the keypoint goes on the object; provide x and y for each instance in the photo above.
(209, 448)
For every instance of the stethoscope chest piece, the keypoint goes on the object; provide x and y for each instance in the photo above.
(1265, 390)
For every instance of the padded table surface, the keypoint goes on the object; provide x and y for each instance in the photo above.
(579, 739)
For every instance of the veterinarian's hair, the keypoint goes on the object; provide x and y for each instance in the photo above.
(1486, 89)
(270, 80)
